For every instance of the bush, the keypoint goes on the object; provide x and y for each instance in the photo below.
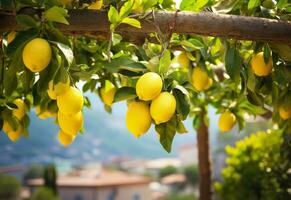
(44, 193)
(168, 171)
(9, 187)
(176, 196)
(254, 169)
(191, 173)
(34, 171)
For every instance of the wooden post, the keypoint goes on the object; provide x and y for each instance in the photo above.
(204, 160)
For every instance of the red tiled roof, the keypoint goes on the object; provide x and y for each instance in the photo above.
(174, 178)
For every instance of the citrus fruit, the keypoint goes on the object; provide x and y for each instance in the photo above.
(226, 121)
(138, 118)
(97, 5)
(57, 89)
(11, 36)
(285, 112)
(107, 93)
(209, 84)
(70, 124)
(183, 60)
(44, 114)
(200, 79)
(163, 107)
(37, 54)
(260, 68)
(15, 135)
(71, 101)
(149, 86)
(6, 127)
(19, 112)
(65, 139)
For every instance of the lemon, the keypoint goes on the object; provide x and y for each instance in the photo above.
(260, 68)
(15, 135)
(138, 118)
(65, 139)
(11, 36)
(70, 124)
(163, 107)
(226, 121)
(71, 101)
(44, 114)
(57, 89)
(149, 86)
(285, 112)
(183, 60)
(97, 5)
(19, 112)
(37, 54)
(209, 84)
(6, 127)
(200, 79)
(107, 93)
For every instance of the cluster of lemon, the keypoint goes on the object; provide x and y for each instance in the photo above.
(19, 113)
(153, 104)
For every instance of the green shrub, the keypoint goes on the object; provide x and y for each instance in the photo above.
(9, 187)
(168, 171)
(191, 173)
(44, 193)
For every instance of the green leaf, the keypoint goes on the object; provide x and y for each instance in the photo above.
(126, 9)
(193, 5)
(26, 21)
(124, 93)
(181, 127)
(67, 51)
(131, 21)
(124, 63)
(183, 106)
(167, 133)
(165, 62)
(113, 16)
(192, 44)
(282, 4)
(233, 63)
(116, 38)
(253, 4)
(57, 14)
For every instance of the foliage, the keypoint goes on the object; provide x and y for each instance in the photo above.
(50, 178)
(44, 193)
(9, 187)
(174, 196)
(167, 171)
(255, 169)
(191, 173)
(34, 171)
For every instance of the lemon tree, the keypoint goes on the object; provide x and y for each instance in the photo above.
(165, 79)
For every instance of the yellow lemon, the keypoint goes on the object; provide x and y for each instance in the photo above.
(138, 118)
(6, 127)
(183, 60)
(11, 36)
(226, 121)
(149, 86)
(285, 112)
(70, 124)
(200, 79)
(107, 94)
(19, 112)
(65, 139)
(43, 114)
(57, 89)
(15, 135)
(71, 101)
(260, 68)
(163, 107)
(97, 5)
(209, 84)
(37, 54)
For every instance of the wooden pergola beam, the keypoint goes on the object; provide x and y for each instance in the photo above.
(95, 23)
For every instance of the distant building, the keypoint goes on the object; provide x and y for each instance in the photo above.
(174, 182)
(188, 154)
(99, 184)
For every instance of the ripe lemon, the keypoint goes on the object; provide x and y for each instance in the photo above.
(97, 5)
(149, 86)
(6, 127)
(57, 89)
(70, 124)
(183, 60)
(260, 68)
(44, 114)
(65, 139)
(11, 36)
(200, 79)
(19, 112)
(226, 121)
(285, 112)
(107, 94)
(163, 107)
(209, 84)
(37, 54)
(138, 118)
(15, 135)
(71, 101)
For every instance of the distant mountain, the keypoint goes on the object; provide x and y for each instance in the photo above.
(105, 136)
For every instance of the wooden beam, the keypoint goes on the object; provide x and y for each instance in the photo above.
(91, 22)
